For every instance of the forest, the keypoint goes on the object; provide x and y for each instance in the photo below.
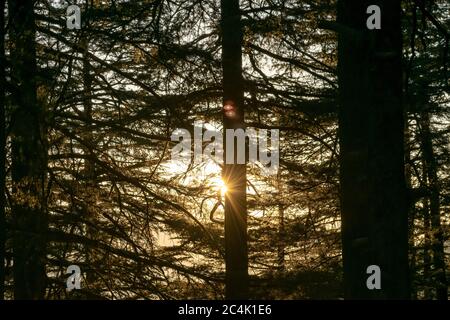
(115, 119)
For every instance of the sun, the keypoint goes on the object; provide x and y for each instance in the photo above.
(223, 187)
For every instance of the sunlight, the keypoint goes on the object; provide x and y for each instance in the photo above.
(223, 187)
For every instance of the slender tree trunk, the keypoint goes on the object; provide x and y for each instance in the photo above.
(371, 132)
(28, 158)
(234, 175)
(281, 239)
(426, 249)
(437, 244)
(89, 167)
(281, 229)
(2, 152)
(411, 209)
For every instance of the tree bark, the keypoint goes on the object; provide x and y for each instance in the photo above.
(28, 157)
(371, 132)
(234, 175)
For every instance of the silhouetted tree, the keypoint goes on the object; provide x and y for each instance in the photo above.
(28, 157)
(234, 175)
(2, 150)
(373, 189)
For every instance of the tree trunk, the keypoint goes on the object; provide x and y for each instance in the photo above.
(89, 176)
(371, 133)
(411, 210)
(2, 152)
(89, 168)
(281, 227)
(234, 175)
(28, 158)
(426, 249)
(437, 239)
(281, 239)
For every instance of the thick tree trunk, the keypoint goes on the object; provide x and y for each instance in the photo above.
(371, 132)
(28, 158)
(2, 151)
(437, 239)
(234, 175)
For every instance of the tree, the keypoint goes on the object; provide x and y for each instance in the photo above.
(28, 171)
(426, 80)
(373, 189)
(2, 151)
(432, 212)
(234, 175)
